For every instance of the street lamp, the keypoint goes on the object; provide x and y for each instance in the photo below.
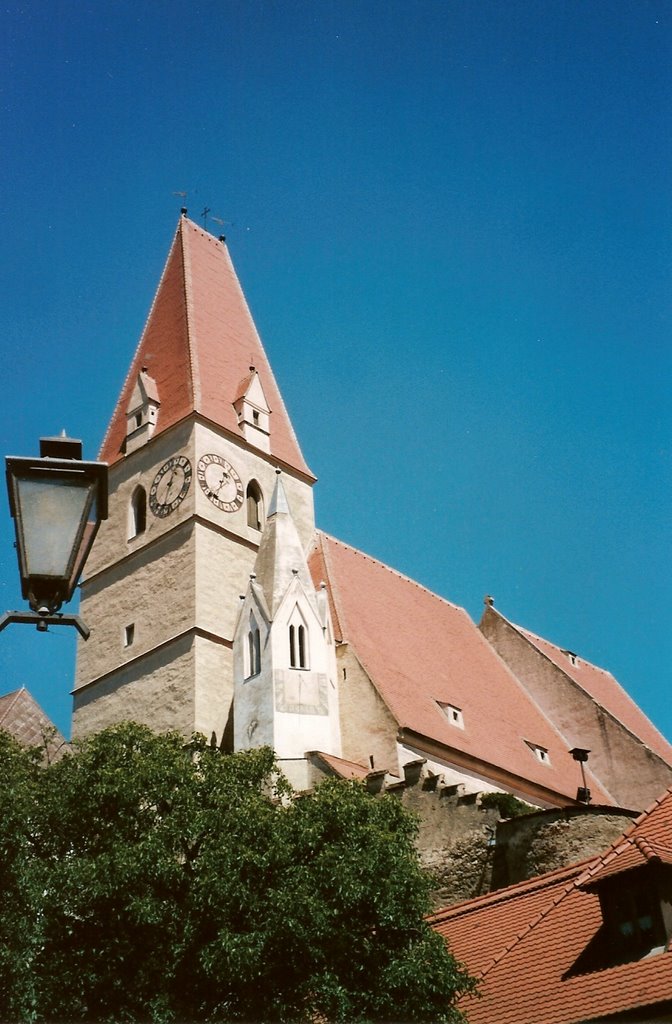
(57, 503)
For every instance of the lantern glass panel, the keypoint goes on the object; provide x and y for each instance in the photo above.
(53, 513)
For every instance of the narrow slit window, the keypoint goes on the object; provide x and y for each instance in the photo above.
(253, 650)
(303, 663)
(292, 647)
(129, 634)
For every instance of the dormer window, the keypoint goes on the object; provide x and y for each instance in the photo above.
(453, 714)
(253, 411)
(541, 753)
(636, 906)
(632, 916)
(141, 412)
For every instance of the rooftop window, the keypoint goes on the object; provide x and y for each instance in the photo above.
(452, 713)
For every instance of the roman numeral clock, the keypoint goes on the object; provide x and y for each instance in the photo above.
(170, 486)
(220, 483)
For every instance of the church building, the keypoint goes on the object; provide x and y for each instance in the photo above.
(216, 605)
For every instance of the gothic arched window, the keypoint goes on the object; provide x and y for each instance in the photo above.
(253, 649)
(298, 646)
(137, 513)
(254, 501)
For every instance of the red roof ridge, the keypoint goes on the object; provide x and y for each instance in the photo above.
(625, 841)
(333, 585)
(534, 638)
(572, 884)
(189, 301)
(131, 368)
(539, 642)
(14, 694)
(393, 572)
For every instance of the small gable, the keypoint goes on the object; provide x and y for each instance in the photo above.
(142, 412)
(253, 411)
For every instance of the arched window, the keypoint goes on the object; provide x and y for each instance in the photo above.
(253, 649)
(255, 511)
(298, 647)
(137, 513)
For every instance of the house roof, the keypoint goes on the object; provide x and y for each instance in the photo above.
(341, 767)
(198, 344)
(604, 689)
(524, 943)
(422, 652)
(23, 718)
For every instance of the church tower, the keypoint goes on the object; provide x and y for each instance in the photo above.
(193, 446)
(284, 653)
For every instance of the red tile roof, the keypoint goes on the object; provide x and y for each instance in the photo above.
(605, 690)
(523, 942)
(23, 718)
(421, 651)
(198, 345)
(340, 766)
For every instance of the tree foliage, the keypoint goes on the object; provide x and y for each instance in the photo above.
(149, 879)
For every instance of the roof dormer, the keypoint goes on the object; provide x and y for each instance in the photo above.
(142, 412)
(253, 411)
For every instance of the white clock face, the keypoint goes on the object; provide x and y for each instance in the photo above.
(170, 486)
(220, 482)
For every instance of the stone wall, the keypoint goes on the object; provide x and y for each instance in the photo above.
(471, 851)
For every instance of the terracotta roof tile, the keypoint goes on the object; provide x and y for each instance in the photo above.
(198, 344)
(342, 767)
(23, 718)
(537, 931)
(421, 651)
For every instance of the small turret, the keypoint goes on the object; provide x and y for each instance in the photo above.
(284, 655)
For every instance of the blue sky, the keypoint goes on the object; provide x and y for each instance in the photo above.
(453, 224)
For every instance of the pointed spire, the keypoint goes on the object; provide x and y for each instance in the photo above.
(279, 501)
(281, 557)
(197, 345)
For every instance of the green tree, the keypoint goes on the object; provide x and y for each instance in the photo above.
(158, 880)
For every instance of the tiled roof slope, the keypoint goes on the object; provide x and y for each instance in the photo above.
(198, 344)
(523, 942)
(341, 767)
(420, 651)
(23, 718)
(606, 691)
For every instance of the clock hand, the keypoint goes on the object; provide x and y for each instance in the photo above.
(225, 477)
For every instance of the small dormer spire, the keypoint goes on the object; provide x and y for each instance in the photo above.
(142, 411)
(253, 411)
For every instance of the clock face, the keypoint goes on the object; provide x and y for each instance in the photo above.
(170, 486)
(220, 482)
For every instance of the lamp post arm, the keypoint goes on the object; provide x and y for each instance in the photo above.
(44, 621)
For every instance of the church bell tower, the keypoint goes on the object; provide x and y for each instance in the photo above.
(193, 446)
